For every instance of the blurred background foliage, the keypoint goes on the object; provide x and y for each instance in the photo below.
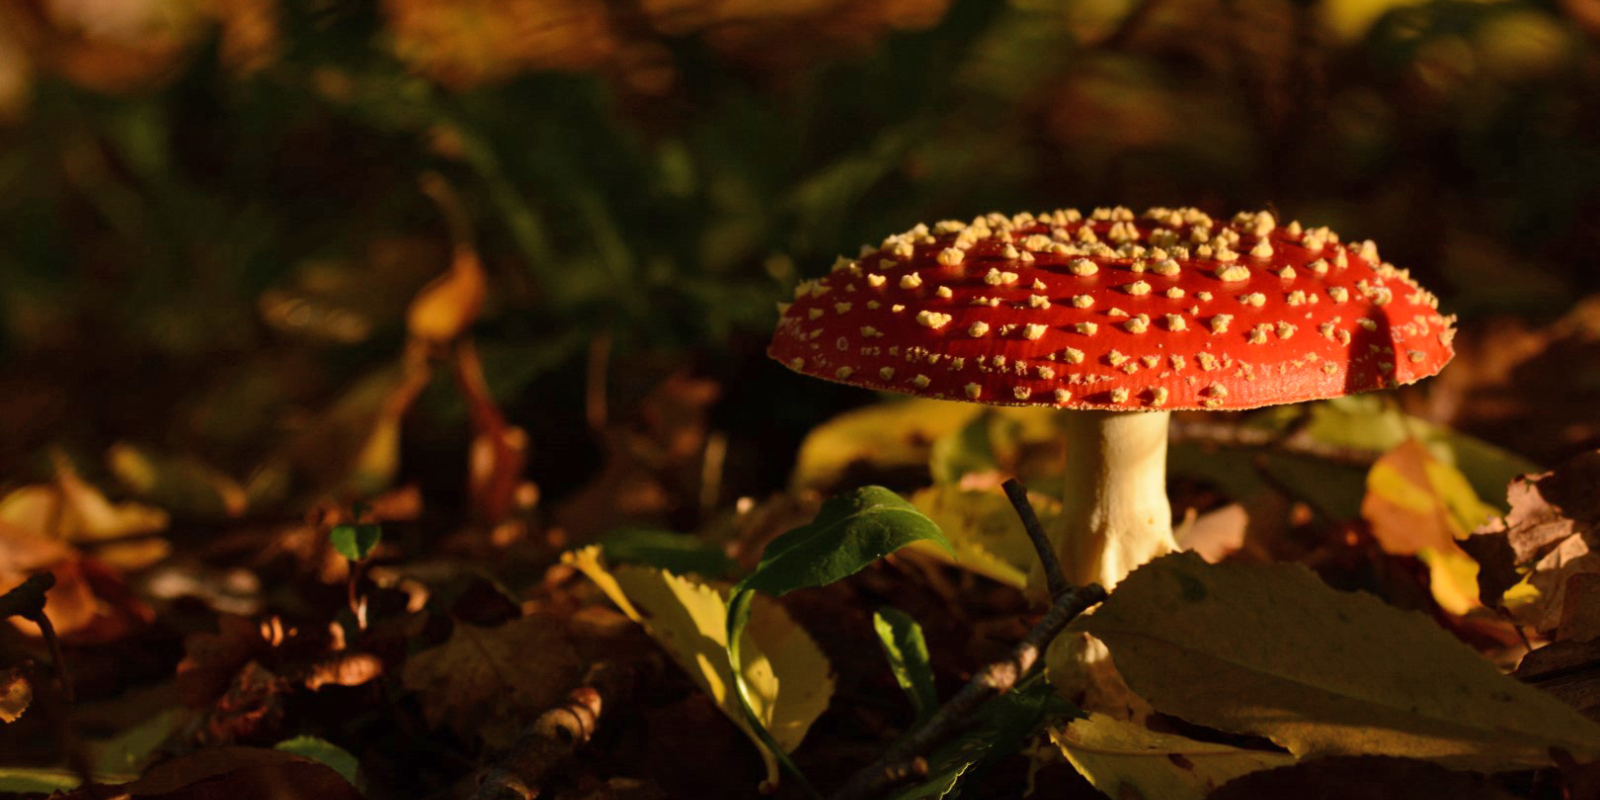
(211, 222)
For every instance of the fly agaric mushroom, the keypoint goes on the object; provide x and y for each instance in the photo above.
(1118, 320)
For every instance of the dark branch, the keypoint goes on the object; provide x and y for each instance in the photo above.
(905, 758)
(1047, 554)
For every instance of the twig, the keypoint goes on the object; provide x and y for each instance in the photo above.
(900, 761)
(906, 758)
(542, 748)
(27, 600)
(1030, 521)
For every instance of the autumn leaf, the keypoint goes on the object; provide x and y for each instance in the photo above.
(889, 435)
(985, 534)
(235, 773)
(15, 694)
(1122, 759)
(790, 680)
(484, 682)
(1269, 649)
(446, 308)
(1418, 505)
(1372, 777)
(1549, 539)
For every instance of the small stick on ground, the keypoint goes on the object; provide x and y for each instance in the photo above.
(906, 758)
(27, 600)
(1054, 581)
(542, 749)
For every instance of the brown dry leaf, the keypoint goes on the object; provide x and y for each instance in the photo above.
(211, 660)
(463, 44)
(77, 512)
(1551, 533)
(89, 601)
(653, 462)
(1270, 650)
(1580, 608)
(1569, 670)
(230, 773)
(486, 682)
(16, 692)
(1122, 759)
(1362, 778)
(1215, 534)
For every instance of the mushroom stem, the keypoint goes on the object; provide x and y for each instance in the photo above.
(1115, 514)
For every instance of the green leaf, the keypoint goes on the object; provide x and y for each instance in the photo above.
(356, 542)
(37, 780)
(902, 641)
(963, 451)
(677, 553)
(1371, 422)
(324, 752)
(851, 531)
(999, 730)
(132, 750)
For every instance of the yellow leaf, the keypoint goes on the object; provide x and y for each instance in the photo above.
(448, 305)
(790, 679)
(893, 434)
(1418, 505)
(1127, 760)
(1269, 649)
(985, 533)
(1453, 579)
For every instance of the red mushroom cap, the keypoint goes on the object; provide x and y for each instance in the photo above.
(1170, 310)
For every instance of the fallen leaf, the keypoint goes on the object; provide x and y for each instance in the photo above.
(791, 681)
(890, 435)
(1567, 670)
(15, 694)
(999, 728)
(1362, 778)
(1550, 536)
(184, 485)
(1270, 650)
(323, 752)
(211, 660)
(231, 773)
(1127, 760)
(448, 306)
(1415, 501)
(1580, 609)
(907, 652)
(74, 511)
(1372, 422)
(986, 535)
(1215, 534)
(486, 682)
